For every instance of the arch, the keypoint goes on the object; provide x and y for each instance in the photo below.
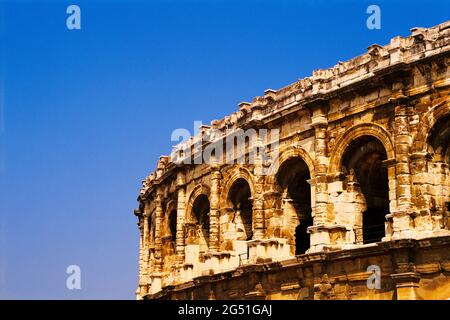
(237, 173)
(428, 120)
(367, 187)
(170, 206)
(359, 130)
(200, 211)
(170, 219)
(197, 216)
(240, 208)
(439, 137)
(293, 152)
(292, 180)
(200, 189)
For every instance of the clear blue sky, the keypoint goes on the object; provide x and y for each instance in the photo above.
(85, 114)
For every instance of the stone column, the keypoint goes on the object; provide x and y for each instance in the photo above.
(320, 123)
(323, 221)
(258, 197)
(439, 218)
(403, 141)
(158, 232)
(258, 216)
(407, 285)
(214, 236)
(181, 216)
(402, 217)
(390, 165)
(271, 211)
(144, 240)
(143, 270)
(404, 273)
(144, 255)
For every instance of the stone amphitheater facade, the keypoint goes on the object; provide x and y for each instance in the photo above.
(355, 189)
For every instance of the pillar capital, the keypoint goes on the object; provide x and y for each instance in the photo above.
(319, 121)
(398, 98)
(215, 170)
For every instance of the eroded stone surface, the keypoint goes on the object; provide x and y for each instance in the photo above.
(361, 177)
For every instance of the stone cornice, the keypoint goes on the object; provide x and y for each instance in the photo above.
(307, 260)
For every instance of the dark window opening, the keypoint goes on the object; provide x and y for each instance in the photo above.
(373, 225)
(365, 156)
(173, 225)
(302, 239)
(201, 210)
(293, 179)
(240, 197)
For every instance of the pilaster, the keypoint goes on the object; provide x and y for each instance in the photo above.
(214, 208)
(403, 216)
(181, 216)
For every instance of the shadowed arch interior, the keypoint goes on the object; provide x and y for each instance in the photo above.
(364, 156)
(438, 147)
(439, 139)
(239, 197)
(200, 210)
(292, 177)
(173, 225)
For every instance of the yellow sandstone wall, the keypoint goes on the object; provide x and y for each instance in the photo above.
(354, 173)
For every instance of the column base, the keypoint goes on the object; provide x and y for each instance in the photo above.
(327, 237)
(267, 250)
(403, 227)
(155, 284)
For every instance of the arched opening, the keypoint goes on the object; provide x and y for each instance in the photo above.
(438, 147)
(363, 164)
(240, 199)
(439, 139)
(292, 178)
(200, 210)
(173, 225)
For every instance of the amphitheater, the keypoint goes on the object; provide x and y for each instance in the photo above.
(340, 191)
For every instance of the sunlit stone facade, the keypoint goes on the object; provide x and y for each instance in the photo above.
(359, 177)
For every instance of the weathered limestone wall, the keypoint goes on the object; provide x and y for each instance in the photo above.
(361, 163)
(410, 269)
